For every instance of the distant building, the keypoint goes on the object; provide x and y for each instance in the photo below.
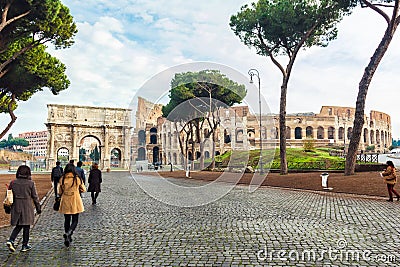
(37, 143)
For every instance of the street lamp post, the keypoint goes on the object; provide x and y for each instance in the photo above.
(344, 139)
(254, 72)
(344, 134)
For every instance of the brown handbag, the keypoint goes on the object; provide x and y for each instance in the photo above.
(9, 199)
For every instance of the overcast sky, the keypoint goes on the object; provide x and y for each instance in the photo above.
(121, 44)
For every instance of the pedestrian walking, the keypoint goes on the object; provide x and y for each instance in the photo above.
(390, 179)
(80, 171)
(22, 212)
(70, 187)
(56, 174)
(95, 181)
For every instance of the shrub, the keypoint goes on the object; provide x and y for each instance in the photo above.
(309, 144)
(370, 148)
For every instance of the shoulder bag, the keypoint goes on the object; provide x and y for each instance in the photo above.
(56, 205)
(57, 200)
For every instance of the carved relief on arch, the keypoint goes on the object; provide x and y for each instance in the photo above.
(68, 137)
(60, 137)
(112, 140)
(68, 113)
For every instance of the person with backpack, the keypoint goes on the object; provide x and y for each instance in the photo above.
(56, 174)
(80, 171)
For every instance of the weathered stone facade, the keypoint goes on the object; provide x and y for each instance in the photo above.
(69, 125)
(241, 130)
(145, 139)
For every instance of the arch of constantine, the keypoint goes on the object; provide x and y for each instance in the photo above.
(69, 125)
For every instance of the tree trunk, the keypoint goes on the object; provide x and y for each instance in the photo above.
(213, 151)
(282, 128)
(202, 155)
(361, 98)
(12, 115)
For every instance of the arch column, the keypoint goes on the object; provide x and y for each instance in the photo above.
(125, 152)
(51, 161)
(303, 133)
(106, 157)
(292, 133)
(74, 152)
(336, 135)
(326, 133)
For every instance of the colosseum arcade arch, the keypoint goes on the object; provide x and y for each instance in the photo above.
(68, 125)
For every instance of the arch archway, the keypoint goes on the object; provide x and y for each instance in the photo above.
(156, 154)
(309, 132)
(115, 158)
(331, 132)
(320, 133)
(63, 155)
(153, 135)
(297, 133)
(90, 150)
(141, 153)
(365, 135)
(142, 137)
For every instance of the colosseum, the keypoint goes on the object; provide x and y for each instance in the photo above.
(156, 139)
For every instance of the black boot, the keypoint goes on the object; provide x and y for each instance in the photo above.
(66, 240)
(69, 234)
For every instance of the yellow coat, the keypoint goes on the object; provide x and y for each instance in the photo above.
(71, 201)
(390, 175)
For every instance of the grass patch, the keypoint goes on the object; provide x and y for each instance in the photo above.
(297, 158)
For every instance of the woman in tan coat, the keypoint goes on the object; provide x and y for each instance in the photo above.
(390, 179)
(70, 187)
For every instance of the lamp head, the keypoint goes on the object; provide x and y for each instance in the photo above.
(363, 4)
(251, 79)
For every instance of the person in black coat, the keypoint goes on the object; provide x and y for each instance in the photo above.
(94, 181)
(56, 174)
(22, 212)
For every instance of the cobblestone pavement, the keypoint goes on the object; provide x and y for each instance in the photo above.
(270, 227)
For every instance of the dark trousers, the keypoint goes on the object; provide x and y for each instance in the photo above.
(25, 237)
(55, 183)
(94, 196)
(391, 190)
(68, 226)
